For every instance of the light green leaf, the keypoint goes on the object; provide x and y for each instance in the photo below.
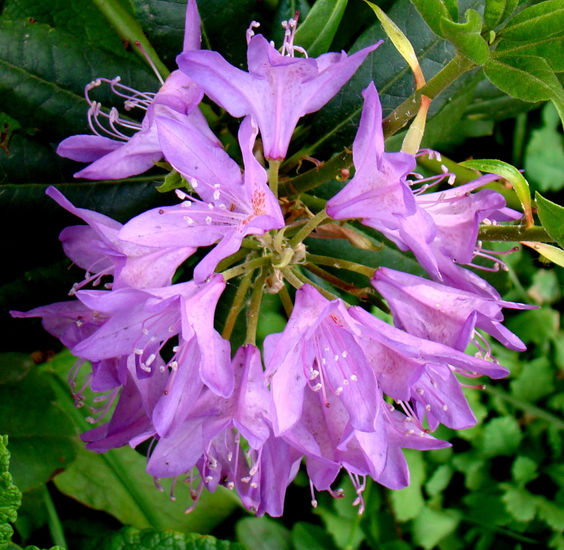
(552, 513)
(535, 381)
(524, 470)
(263, 534)
(10, 495)
(540, 21)
(496, 11)
(501, 437)
(549, 252)
(544, 155)
(521, 504)
(526, 77)
(431, 526)
(409, 502)
(466, 36)
(511, 174)
(552, 218)
(433, 11)
(316, 33)
(440, 479)
(130, 538)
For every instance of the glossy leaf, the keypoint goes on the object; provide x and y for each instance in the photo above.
(539, 21)
(512, 175)
(496, 11)
(433, 11)
(41, 434)
(466, 36)
(552, 253)
(525, 77)
(317, 31)
(552, 218)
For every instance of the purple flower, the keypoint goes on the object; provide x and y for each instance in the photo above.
(277, 90)
(442, 313)
(120, 147)
(378, 192)
(98, 249)
(232, 205)
(406, 366)
(209, 438)
(141, 322)
(318, 354)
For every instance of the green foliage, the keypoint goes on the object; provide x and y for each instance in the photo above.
(467, 36)
(10, 495)
(320, 26)
(552, 218)
(263, 534)
(544, 155)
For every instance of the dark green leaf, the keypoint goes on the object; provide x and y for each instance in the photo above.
(466, 36)
(552, 218)
(10, 495)
(14, 366)
(316, 33)
(525, 77)
(80, 18)
(224, 23)
(336, 124)
(306, 536)
(263, 534)
(41, 434)
(44, 71)
(130, 538)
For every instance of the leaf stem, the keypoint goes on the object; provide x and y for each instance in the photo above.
(404, 112)
(253, 312)
(130, 30)
(341, 264)
(53, 521)
(237, 305)
(317, 176)
(307, 228)
(243, 268)
(297, 280)
(513, 233)
(287, 303)
(273, 167)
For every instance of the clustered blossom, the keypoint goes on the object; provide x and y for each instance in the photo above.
(338, 388)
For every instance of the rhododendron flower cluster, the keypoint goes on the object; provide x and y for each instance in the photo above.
(339, 388)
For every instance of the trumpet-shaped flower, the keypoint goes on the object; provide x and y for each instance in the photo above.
(97, 248)
(121, 147)
(278, 89)
(232, 205)
(442, 313)
(378, 192)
